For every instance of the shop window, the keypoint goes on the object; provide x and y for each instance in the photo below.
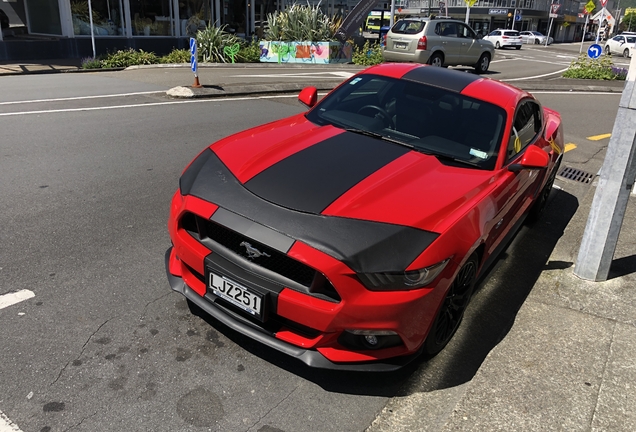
(194, 15)
(107, 17)
(44, 17)
(151, 17)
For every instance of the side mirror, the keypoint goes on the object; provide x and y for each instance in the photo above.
(533, 158)
(308, 96)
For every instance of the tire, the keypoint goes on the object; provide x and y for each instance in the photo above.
(626, 53)
(536, 42)
(451, 311)
(518, 47)
(482, 64)
(539, 205)
(497, 45)
(437, 60)
(607, 50)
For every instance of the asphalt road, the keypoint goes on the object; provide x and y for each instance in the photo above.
(105, 345)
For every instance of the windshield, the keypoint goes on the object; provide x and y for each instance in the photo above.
(428, 119)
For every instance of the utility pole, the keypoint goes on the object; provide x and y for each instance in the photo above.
(612, 192)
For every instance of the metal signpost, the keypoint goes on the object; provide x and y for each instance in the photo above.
(554, 8)
(612, 192)
(193, 62)
(469, 4)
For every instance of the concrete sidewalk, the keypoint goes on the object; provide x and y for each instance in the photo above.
(567, 363)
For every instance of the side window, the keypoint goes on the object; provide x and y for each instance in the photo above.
(448, 29)
(494, 33)
(466, 32)
(527, 124)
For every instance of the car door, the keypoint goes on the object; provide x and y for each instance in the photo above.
(517, 188)
(470, 45)
(451, 44)
(615, 44)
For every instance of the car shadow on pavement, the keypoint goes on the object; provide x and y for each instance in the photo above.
(500, 293)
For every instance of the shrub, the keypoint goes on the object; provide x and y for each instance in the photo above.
(300, 23)
(91, 63)
(211, 41)
(176, 56)
(368, 55)
(587, 68)
(129, 57)
(250, 52)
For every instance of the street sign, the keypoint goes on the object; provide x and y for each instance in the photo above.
(554, 8)
(553, 15)
(518, 17)
(193, 55)
(603, 3)
(594, 51)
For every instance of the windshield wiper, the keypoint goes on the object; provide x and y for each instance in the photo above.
(451, 158)
(378, 136)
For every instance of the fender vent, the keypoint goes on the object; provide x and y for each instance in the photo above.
(576, 175)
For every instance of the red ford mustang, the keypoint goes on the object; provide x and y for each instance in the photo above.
(351, 236)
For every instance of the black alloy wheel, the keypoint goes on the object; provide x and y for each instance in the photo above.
(452, 310)
(537, 208)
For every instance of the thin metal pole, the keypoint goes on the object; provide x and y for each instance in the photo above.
(90, 17)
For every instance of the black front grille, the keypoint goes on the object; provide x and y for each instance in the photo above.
(271, 259)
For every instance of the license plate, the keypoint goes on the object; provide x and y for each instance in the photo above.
(400, 45)
(236, 294)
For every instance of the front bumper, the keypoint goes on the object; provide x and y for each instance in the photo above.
(310, 357)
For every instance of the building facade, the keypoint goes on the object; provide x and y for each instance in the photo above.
(49, 29)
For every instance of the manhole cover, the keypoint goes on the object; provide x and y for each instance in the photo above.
(576, 175)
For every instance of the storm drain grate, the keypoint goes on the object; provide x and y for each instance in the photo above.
(576, 175)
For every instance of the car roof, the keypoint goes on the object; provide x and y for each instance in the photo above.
(486, 89)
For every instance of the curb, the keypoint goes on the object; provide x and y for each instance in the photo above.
(183, 92)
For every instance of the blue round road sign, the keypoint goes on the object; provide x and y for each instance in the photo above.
(594, 51)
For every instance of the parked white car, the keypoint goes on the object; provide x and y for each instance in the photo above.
(501, 38)
(620, 44)
(534, 37)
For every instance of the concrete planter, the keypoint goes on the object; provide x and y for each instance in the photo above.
(305, 52)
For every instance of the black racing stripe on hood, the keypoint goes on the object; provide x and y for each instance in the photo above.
(315, 177)
(364, 246)
(441, 77)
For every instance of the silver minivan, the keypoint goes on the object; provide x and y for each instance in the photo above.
(438, 42)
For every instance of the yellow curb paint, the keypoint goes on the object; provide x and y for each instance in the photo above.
(599, 137)
(569, 146)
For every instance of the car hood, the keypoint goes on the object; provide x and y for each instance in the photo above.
(349, 195)
(325, 170)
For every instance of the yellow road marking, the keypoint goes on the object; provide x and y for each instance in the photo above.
(599, 137)
(569, 146)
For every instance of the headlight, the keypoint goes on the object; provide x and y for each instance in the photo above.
(403, 280)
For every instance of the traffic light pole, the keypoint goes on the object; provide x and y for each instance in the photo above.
(612, 192)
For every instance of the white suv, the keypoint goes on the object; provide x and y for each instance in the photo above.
(621, 44)
(503, 38)
(438, 42)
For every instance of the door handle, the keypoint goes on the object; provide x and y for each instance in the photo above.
(499, 224)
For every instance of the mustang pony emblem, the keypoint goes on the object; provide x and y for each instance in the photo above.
(252, 252)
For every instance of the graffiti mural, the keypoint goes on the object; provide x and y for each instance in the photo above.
(305, 52)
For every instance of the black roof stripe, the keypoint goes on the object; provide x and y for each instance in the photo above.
(441, 77)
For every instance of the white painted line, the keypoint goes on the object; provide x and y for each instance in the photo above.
(10, 299)
(7, 425)
(79, 98)
(536, 76)
(301, 75)
(207, 100)
(578, 93)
